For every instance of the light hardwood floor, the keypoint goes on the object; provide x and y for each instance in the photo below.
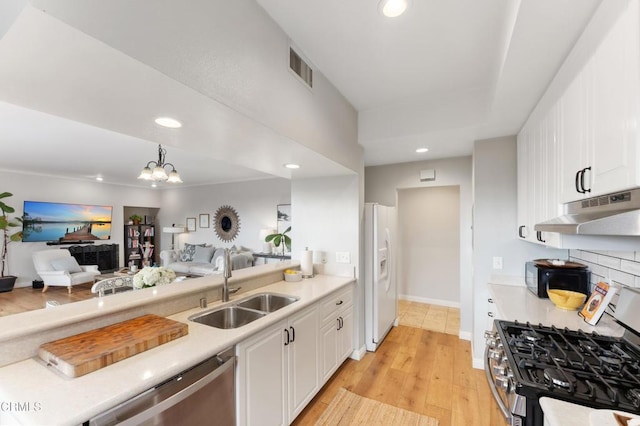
(418, 369)
(28, 299)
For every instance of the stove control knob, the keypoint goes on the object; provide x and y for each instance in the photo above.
(502, 383)
(499, 370)
(490, 334)
(496, 354)
(491, 342)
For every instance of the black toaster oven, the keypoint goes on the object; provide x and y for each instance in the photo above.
(539, 278)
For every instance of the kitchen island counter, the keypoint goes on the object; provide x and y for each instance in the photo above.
(36, 394)
(517, 303)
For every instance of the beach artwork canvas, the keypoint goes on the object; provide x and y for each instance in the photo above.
(44, 221)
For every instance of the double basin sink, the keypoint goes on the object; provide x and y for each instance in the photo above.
(243, 311)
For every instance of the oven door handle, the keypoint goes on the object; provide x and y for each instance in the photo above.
(487, 369)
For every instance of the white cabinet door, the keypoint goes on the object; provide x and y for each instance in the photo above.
(345, 334)
(336, 331)
(329, 349)
(616, 80)
(575, 140)
(262, 378)
(524, 165)
(303, 357)
(599, 144)
(278, 370)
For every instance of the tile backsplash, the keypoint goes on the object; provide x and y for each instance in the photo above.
(623, 267)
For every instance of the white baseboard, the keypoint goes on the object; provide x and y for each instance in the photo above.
(478, 363)
(358, 354)
(447, 303)
(464, 335)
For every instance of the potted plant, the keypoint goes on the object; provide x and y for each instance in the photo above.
(280, 239)
(135, 218)
(7, 281)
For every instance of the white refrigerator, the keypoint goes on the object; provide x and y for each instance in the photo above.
(381, 297)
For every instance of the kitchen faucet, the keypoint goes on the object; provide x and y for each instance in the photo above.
(226, 271)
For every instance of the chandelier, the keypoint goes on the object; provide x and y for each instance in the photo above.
(159, 173)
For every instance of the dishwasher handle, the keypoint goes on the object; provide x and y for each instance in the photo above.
(138, 412)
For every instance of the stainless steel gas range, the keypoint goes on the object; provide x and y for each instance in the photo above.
(525, 362)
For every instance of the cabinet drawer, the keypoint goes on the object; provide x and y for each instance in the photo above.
(334, 303)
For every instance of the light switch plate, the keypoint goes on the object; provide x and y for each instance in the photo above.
(497, 262)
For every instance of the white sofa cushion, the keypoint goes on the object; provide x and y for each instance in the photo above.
(203, 254)
(69, 264)
(189, 251)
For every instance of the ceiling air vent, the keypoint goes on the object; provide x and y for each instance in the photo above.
(300, 67)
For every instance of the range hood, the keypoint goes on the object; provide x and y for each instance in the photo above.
(612, 214)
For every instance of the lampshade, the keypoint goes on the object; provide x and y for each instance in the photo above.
(173, 229)
(266, 231)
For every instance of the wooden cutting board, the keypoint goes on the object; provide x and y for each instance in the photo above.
(83, 353)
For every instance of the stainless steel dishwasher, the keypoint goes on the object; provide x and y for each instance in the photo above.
(203, 394)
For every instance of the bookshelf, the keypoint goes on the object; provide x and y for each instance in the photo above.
(139, 245)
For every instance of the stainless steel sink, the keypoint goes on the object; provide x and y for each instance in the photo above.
(267, 302)
(227, 317)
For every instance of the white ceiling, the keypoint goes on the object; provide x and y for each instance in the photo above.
(442, 75)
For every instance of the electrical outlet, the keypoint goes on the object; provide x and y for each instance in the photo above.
(497, 262)
(343, 257)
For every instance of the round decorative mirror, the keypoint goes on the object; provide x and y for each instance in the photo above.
(227, 223)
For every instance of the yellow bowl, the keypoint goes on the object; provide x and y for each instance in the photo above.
(293, 276)
(566, 299)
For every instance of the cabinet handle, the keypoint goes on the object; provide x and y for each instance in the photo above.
(490, 300)
(287, 342)
(490, 314)
(577, 183)
(539, 237)
(520, 229)
(338, 321)
(293, 334)
(339, 303)
(584, 172)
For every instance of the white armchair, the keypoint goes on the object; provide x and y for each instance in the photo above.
(59, 268)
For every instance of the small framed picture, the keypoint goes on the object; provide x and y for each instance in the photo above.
(204, 220)
(284, 217)
(191, 224)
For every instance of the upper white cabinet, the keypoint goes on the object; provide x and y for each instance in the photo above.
(537, 177)
(599, 138)
(584, 144)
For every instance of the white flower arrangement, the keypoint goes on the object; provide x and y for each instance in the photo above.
(151, 276)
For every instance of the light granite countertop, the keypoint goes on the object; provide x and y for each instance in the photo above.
(33, 393)
(516, 303)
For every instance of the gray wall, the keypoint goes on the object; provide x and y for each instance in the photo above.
(429, 237)
(382, 184)
(254, 201)
(495, 228)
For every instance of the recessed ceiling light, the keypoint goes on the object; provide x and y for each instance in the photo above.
(99, 178)
(154, 185)
(393, 8)
(292, 166)
(168, 122)
(421, 150)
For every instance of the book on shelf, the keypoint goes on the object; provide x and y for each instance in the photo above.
(597, 303)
